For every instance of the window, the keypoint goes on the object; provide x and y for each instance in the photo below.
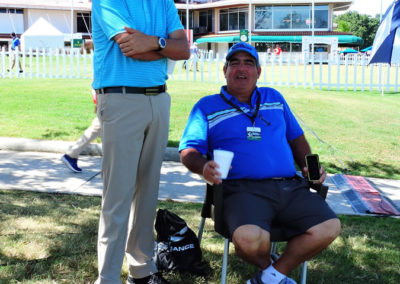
(233, 19)
(290, 17)
(263, 17)
(182, 16)
(11, 11)
(321, 17)
(206, 21)
(282, 17)
(84, 23)
(300, 17)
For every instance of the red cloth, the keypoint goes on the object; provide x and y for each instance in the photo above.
(94, 96)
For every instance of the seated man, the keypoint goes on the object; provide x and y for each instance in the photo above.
(259, 127)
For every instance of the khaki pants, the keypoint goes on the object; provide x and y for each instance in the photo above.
(91, 133)
(134, 131)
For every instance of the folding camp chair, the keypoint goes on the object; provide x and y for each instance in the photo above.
(212, 208)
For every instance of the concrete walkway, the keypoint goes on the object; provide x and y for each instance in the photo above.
(34, 165)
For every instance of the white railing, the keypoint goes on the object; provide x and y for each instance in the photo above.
(326, 71)
(46, 63)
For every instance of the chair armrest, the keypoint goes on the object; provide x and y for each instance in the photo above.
(206, 210)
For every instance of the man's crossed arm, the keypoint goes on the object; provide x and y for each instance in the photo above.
(138, 45)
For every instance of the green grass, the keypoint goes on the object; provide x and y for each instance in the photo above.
(358, 132)
(51, 238)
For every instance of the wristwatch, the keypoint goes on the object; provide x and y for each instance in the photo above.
(162, 43)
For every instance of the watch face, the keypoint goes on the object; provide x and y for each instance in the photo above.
(243, 37)
(162, 42)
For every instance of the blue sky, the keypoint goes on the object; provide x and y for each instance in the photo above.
(370, 7)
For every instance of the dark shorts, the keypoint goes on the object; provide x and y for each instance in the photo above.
(287, 204)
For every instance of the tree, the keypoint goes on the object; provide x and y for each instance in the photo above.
(363, 26)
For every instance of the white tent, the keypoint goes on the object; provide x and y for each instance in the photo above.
(41, 35)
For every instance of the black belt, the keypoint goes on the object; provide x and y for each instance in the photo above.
(149, 91)
(286, 178)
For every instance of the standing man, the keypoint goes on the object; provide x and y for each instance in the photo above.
(15, 46)
(132, 41)
(262, 187)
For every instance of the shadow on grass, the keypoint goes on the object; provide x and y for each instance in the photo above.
(64, 248)
(51, 134)
(367, 251)
(378, 169)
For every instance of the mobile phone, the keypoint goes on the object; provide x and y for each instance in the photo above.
(312, 162)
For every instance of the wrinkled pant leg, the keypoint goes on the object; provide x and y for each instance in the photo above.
(140, 244)
(124, 119)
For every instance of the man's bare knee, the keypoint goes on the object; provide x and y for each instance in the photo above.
(249, 238)
(326, 231)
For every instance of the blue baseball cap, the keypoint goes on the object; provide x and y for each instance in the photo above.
(242, 46)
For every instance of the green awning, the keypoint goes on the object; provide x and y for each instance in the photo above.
(343, 39)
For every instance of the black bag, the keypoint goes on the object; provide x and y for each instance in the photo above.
(177, 248)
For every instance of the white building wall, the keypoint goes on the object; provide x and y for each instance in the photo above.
(11, 23)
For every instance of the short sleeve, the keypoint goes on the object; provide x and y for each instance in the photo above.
(174, 23)
(114, 16)
(196, 132)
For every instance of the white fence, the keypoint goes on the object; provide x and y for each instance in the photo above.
(326, 71)
(41, 63)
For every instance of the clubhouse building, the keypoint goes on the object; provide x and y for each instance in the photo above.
(213, 24)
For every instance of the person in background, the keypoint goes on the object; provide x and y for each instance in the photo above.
(15, 46)
(277, 50)
(132, 41)
(262, 187)
(194, 55)
(269, 50)
(70, 158)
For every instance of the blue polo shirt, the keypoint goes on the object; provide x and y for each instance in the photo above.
(15, 43)
(109, 17)
(215, 124)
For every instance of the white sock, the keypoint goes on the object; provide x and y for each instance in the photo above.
(271, 275)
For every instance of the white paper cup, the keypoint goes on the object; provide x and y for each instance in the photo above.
(224, 159)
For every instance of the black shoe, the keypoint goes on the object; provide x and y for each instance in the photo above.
(256, 279)
(71, 163)
(21, 71)
(151, 279)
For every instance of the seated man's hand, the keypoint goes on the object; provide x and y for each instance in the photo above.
(322, 174)
(211, 174)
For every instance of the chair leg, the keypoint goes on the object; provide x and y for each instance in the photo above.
(273, 253)
(201, 227)
(225, 261)
(304, 273)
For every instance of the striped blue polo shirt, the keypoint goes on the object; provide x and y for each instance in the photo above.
(215, 124)
(111, 67)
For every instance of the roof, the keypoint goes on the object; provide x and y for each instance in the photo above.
(42, 27)
(83, 5)
(293, 37)
(337, 5)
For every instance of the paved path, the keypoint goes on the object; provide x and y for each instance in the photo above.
(44, 172)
